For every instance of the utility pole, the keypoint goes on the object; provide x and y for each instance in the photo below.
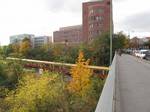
(111, 30)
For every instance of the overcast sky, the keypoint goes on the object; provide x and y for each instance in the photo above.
(42, 17)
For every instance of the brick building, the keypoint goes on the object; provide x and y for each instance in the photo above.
(71, 34)
(96, 18)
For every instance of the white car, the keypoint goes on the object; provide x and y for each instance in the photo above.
(141, 53)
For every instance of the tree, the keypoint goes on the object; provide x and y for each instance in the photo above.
(147, 44)
(80, 82)
(6, 50)
(101, 47)
(16, 48)
(120, 41)
(101, 50)
(25, 46)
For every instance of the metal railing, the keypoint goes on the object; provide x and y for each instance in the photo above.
(106, 101)
(57, 63)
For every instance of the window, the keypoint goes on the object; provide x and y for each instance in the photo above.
(101, 18)
(91, 25)
(91, 11)
(99, 10)
(108, 3)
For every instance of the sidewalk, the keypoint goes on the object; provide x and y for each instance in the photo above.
(133, 82)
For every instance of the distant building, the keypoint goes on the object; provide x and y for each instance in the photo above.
(19, 38)
(41, 40)
(71, 34)
(136, 42)
(146, 39)
(96, 18)
(35, 41)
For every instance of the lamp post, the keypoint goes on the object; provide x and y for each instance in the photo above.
(111, 30)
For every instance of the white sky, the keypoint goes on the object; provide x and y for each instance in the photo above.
(42, 17)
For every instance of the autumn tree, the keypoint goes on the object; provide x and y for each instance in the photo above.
(80, 82)
(25, 46)
(16, 47)
(84, 87)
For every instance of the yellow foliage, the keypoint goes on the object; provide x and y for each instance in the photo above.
(25, 47)
(37, 94)
(16, 47)
(80, 82)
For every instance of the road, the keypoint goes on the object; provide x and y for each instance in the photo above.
(133, 84)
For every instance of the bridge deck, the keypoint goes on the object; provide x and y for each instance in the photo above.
(133, 84)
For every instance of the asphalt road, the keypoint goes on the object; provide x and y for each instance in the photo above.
(133, 83)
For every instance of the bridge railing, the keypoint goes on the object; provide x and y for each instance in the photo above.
(97, 68)
(106, 101)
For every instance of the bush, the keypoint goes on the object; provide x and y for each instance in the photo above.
(38, 94)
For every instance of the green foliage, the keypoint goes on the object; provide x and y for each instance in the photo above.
(40, 54)
(147, 44)
(101, 47)
(38, 94)
(120, 41)
(10, 72)
(6, 50)
(101, 50)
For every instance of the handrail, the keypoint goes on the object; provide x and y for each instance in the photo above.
(56, 63)
(106, 101)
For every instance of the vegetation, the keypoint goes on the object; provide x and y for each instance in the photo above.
(147, 44)
(80, 76)
(28, 92)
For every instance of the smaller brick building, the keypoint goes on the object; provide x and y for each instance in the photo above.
(70, 34)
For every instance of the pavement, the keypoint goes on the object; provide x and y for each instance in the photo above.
(132, 84)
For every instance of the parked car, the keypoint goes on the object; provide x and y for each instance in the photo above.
(141, 53)
(147, 55)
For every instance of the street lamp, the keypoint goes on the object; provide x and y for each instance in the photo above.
(111, 29)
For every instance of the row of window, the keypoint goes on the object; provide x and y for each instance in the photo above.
(96, 18)
(91, 26)
(95, 33)
(95, 11)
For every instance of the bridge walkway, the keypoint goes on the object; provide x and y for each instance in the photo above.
(133, 84)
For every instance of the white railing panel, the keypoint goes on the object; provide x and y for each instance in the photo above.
(106, 101)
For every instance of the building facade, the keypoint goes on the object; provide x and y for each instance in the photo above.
(18, 38)
(136, 42)
(146, 39)
(96, 18)
(41, 40)
(35, 41)
(71, 34)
